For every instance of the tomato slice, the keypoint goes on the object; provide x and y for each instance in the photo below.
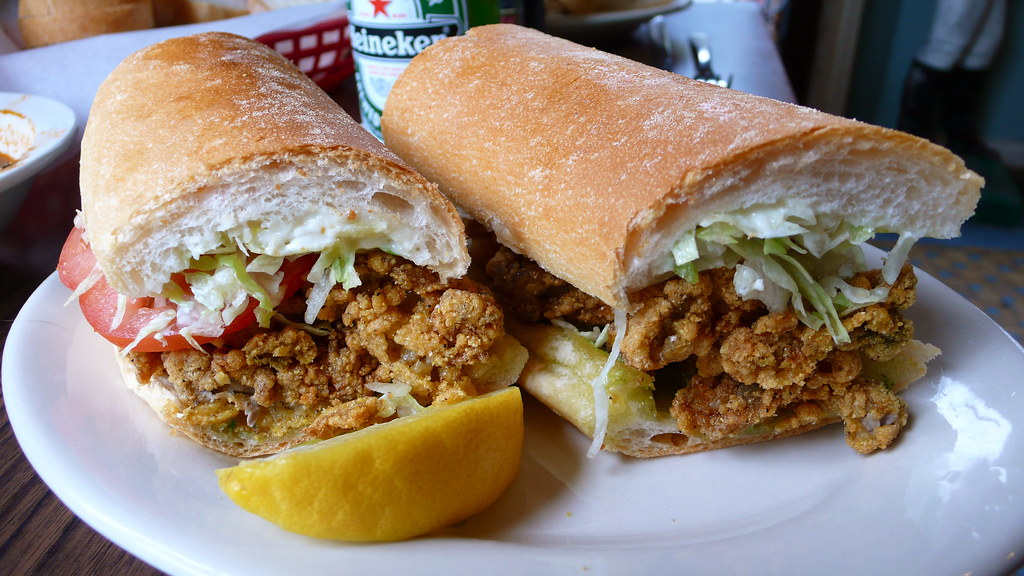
(99, 302)
(76, 259)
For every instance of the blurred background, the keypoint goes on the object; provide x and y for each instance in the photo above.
(851, 57)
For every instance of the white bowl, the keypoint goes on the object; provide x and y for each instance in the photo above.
(34, 131)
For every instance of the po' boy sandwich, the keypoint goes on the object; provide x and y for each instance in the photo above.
(686, 261)
(269, 272)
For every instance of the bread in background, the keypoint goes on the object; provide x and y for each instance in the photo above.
(264, 5)
(44, 22)
(177, 12)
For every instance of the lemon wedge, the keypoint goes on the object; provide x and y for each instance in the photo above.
(391, 481)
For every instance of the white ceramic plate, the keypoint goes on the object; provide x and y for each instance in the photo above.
(34, 131)
(947, 499)
(603, 25)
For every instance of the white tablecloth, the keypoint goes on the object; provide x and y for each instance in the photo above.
(71, 72)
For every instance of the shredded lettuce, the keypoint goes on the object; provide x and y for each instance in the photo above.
(189, 337)
(222, 282)
(599, 384)
(396, 398)
(598, 336)
(157, 325)
(897, 256)
(600, 387)
(334, 266)
(565, 364)
(313, 330)
(784, 255)
(94, 276)
(122, 307)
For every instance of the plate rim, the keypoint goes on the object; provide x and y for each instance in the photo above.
(155, 551)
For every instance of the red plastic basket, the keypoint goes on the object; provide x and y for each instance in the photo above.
(323, 51)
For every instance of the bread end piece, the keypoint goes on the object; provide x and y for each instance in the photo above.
(213, 137)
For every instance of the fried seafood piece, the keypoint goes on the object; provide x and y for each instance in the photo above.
(677, 319)
(402, 324)
(752, 367)
(872, 414)
(776, 351)
(880, 331)
(779, 370)
(531, 293)
(718, 408)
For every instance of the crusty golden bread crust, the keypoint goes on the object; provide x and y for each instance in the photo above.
(45, 22)
(202, 134)
(591, 164)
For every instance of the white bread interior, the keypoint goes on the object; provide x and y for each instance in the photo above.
(592, 164)
(204, 136)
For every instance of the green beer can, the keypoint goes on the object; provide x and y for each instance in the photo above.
(386, 34)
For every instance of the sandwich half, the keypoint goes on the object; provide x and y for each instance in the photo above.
(269, 272)
(685, 262)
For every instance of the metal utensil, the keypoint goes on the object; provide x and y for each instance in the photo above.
(700, 46)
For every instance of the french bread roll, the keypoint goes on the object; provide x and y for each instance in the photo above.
(303, 281)
(715, 232)
(45, 22)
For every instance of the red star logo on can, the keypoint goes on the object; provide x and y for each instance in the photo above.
(380, 7)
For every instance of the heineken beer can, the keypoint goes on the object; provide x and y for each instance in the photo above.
(386, 34)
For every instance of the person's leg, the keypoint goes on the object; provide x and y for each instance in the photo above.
(936, 100)
(963, 112)
(921, 101)
(961, 28)
(964, 89)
